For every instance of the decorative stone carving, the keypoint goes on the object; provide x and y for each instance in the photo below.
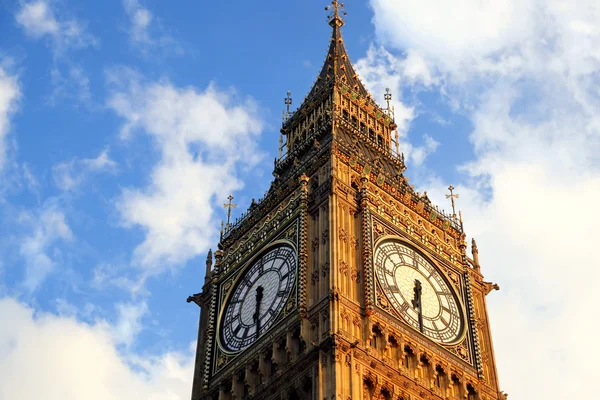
(343, 235)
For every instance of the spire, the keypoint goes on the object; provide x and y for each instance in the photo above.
(209, 262)
(337, 66)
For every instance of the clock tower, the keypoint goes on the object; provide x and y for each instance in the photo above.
(343, 282)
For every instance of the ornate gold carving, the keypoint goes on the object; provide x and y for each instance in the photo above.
(343, 235)
(353, 242)
(343, 268)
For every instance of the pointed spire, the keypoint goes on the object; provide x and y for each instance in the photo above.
(475, 253)
(337, 66)
(209, 262)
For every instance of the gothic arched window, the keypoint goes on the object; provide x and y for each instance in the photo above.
(377, 338)
(409, 358)
(456, 387)
(441, 379)
(472, 393)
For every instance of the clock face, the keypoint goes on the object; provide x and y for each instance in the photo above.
(400, 269)
(258, 297)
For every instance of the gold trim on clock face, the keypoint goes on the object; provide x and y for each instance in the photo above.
(258, 297)
(432, 308)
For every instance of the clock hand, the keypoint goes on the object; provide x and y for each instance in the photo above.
(256, 316)
(416, 302)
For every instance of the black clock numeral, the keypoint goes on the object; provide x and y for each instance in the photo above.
(261, 266)
(237, 329)
(444, 322)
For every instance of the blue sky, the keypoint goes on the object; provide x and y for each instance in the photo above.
(124, 125)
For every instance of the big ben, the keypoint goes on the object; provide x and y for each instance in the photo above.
(343, 282)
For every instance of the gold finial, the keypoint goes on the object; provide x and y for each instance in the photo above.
(337, 9)
(229, 206)
(388, 97)
(453, 196)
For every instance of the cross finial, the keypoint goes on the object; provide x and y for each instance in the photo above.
(288, 103)
(229, 206)
(388, 97)
(337, 9)
(452, 196)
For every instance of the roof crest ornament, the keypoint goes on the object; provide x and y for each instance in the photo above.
(288, 103)
(229, 206)
(452, 196)
(392, 115)
(337, 9)
(285, 117)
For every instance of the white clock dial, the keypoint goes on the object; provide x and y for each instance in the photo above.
(258, 297)
(398, 268)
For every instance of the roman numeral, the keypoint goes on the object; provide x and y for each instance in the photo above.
(444, 320)
(261, 266)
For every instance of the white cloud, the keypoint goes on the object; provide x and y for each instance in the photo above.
(202, 137)
(129, 323)
(9, 95)
(74, 84)
(380, 70)
(69, 175)
(112, 275)
(419, 154)
(140, 21)
(38, 20)
(29, 178)
(146, 33)
(526, 73)
(71, 360)
(451, 31)
(38, 247)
